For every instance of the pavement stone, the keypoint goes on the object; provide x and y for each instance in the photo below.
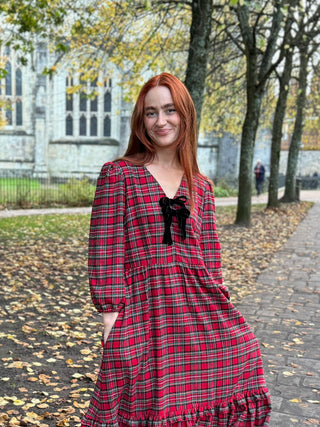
(284, 313)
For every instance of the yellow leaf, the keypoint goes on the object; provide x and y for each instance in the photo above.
(43, 405)
(77, 375)
(28, 406)
(4, 417)
(93, 377)
(17, 365)
(19, 402)
(62, 423)
(10, 337)
(288, 374)
(3, 401)
(81, 405)
(75, 395)
(14, 422)
(80, 335)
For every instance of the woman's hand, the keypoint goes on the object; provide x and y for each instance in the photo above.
(108, 322)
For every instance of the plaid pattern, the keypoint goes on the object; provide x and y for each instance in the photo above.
(179, 354)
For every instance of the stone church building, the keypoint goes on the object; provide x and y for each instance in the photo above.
(50, 133)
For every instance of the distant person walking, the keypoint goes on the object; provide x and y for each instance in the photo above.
(315, 181)
(259, 172)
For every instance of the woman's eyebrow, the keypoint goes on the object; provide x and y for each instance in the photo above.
(162, 107)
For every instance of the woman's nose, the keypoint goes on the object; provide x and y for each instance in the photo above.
(161, 119)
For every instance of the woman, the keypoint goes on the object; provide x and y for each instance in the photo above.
(175, 350)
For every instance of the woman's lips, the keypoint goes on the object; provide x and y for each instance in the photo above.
(162, 132)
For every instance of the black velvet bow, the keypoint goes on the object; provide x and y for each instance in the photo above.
(170, 208)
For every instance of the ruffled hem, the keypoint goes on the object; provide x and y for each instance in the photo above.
(244, 410)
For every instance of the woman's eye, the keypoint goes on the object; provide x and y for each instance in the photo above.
(151, 115)
(171, 111)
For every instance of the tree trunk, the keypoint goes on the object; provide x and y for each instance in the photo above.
(290, 188)
(249, 131)
(258, 71)
(277, 130)
(200, 31)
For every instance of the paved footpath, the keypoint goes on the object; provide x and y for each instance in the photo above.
(306, 195)
(285, 315)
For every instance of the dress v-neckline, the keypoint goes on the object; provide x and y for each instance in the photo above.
(160, 186)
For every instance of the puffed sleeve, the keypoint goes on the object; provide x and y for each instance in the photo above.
(106, 241)
(210, 245)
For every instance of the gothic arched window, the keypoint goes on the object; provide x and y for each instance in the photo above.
(90, 107)
(83, 101)
(9, 115)
(93, 126)
(11, 88)
(69, 125)
(107, 126)
(107, 102)
(83, 125)
(8, 78)
(19, 113)
(94, 104)
(18, 82)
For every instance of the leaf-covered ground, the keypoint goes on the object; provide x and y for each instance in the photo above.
(49, 331)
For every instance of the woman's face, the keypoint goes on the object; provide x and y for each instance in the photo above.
(161, 119)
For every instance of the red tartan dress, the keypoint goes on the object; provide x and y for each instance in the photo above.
(179, 353)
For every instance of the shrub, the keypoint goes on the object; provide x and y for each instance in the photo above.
(77, 192)
(31, 193)
(223, 189)
(221, 192)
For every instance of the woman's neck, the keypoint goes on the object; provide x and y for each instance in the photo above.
(167, 159)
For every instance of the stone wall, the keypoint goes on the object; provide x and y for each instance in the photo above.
(16, 152)
(80, 157)
(308, 162)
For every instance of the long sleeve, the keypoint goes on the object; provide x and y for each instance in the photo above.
(106, 241)
(210, 245)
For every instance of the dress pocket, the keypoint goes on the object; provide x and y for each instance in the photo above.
(225, 291)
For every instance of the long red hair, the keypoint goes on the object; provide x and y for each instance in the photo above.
(140, 149)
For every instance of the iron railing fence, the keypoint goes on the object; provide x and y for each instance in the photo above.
(26, 191)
